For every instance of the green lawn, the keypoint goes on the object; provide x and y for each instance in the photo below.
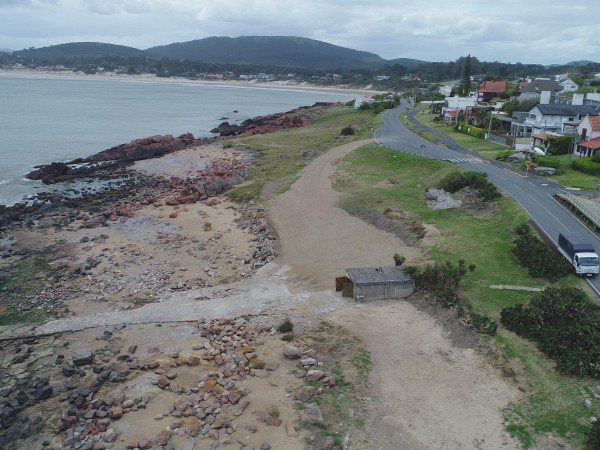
(552, 403)
(569, 179)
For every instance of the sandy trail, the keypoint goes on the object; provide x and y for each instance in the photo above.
(318, 239)
(429, 394)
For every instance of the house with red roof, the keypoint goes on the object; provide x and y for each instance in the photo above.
(490, 89)
(588, 134)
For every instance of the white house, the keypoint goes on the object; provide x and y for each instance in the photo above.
(460, 103)
(544, 118)
(588, 135)
(568, 85)
(445, 90)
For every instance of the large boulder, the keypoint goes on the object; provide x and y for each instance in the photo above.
(544, 171)
(518, 157)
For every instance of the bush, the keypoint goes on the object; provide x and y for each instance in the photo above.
(457, 180)
(286, 326)
(596, 158)
(547, 161)
(471, 130)
(564, 324)
(503, 154)
(586, 165)
(347, 131)
(535, 255)
(559, 145)
(484, 324)
(594, 436)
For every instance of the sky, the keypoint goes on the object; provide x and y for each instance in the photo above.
(539, 32)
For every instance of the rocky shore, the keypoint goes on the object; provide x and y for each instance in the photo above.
(154, 234)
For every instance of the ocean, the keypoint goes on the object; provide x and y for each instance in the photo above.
(59, 119)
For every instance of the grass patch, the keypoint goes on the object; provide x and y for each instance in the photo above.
(553, 403)
(20, 280)
(278, 157)
(348, 363)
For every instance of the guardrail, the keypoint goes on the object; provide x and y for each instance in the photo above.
(580, 206)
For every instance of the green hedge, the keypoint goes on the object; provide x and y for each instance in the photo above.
(586, 165)
(564, 324)
(535, 255)
(471, 130)
(547, 161)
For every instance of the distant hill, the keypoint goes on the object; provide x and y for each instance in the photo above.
(6, 50)
(580, 63)
(283, 51)
(79, 49)
(406, 62)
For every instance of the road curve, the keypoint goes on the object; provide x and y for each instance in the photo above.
(533, 193)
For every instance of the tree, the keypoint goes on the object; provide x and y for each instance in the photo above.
(466, 76)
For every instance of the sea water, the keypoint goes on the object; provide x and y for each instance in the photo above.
(59, 119)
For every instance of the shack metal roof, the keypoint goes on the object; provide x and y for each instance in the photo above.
(377, 275)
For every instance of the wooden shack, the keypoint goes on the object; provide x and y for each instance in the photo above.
(375, 283)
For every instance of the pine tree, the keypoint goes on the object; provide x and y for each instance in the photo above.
(466, 84)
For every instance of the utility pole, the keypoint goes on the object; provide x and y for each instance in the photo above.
(490, 127)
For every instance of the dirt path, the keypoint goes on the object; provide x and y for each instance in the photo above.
(429, 394)
(318, 239)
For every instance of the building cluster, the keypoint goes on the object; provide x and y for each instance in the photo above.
(554, 113)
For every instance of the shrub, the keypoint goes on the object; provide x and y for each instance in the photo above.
(547, 161)
(594, 436)
(503, 154)
(559, 145)
(564, 324)
(286, 326)
(457, 180)
(596, 158)
(586, 165)
(484, 324)
(347, 131)
(535, 255)
(399, 259)
(471, 130)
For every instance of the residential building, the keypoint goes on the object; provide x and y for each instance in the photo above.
(544, 118)
(568, 85)
(537, 86)
(588, 136)
(490, 89)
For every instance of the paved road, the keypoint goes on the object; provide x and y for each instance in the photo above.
(533, 193)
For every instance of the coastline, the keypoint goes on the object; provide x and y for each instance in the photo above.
(148, 78)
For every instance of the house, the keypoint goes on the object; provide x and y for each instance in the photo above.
(490, 89)
(588, 136)
(445, 90)
(537, 86)
(568, 85)
(382, 77)
(375, 283)
(544, 118)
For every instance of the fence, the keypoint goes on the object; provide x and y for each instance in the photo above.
(580, 206)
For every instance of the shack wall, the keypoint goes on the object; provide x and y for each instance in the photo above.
(383, 291)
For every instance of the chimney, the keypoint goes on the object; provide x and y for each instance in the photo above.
(545, 98)
(577, 99)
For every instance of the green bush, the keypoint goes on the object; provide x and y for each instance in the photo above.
(559, 145)
(457, 180)
(504, 154)
(547, 161)
(484, 324)
(347, 131)
(586, 165)
(594, 436)
(564, 324)
(596, 158)
(535, 255)
(286, 326)
(471, 130)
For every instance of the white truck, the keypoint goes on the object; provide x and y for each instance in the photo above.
(580, 254)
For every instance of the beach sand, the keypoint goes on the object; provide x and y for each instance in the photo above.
(149, 78)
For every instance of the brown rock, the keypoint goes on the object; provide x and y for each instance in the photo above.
(193, 360)
(145, 444)
(315, 374)
(116, 412)
(163, 437)
(257, 363)
(133, 444)
(163, 382)
(305, 393)
(193, 427)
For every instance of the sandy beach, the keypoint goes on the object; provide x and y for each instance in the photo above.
(148, 78)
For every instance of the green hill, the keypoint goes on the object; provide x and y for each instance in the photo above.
(79, 50)
(406, 62)
(283, 51)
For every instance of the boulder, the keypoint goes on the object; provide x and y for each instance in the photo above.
(544, 171)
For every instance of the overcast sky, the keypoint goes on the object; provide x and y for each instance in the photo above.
(544, 32)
